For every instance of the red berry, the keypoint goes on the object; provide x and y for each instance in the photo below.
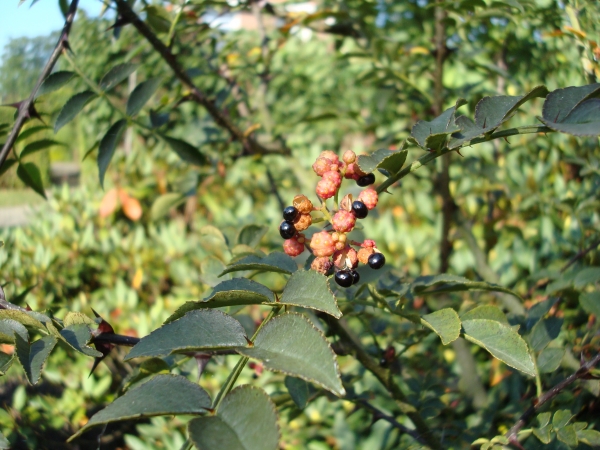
(292, 247)
(322, 244)
(347, 258)
(369, 197)
(343, 221)
(349, 157)
(321, 166)
(326, 188)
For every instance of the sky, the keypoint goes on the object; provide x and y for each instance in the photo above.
(39, 20)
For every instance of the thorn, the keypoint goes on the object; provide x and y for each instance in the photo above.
(458, 151)
(250, 343)
(28, 308)
(506, 139)
(202, 360)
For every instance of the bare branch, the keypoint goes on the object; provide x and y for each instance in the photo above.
(251, 146)
(583, 371)
(26, 106)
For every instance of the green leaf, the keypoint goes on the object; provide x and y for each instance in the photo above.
(549, 359)
(117, 74)
(291, 344)
(39, 145)
(434, 134)
(54, 82)
(274, 262)
(4, 444)
(7, 165)
(107, 147)
(489, 312)
(77, 318)
(544, 434)
(5, 362)
(310, 289)
(246, 420)
(561, 418)
(31, 131)
(543, 332)
(32, 357)
(589, 437)
(588, 275)
(9, 329)
(204, 329)
(299, 390)
(251, 235)
(453, 283)
(539, 310)
(234, 292)
(561, 102)
(29, 318)
(185, 151)
(501, 341)
(590, 302)
(164, 203)
(73, 107)
(29, 174)
(490, 113)
(141, 94)
(584, 120)
(163, 395)
(389, 160)
(78, 337)
(445, 323)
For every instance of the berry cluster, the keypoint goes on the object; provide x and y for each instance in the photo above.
(331, 247)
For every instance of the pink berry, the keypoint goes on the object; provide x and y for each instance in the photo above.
(368, 243)
(322, 244)
(326, 188)
(321, 166)
(332, 156)
(335, 177)
(369, 197)
(347, 258)
(353, 172)
(322, 264)
(349, 157)
(292, 247)
(343, 221)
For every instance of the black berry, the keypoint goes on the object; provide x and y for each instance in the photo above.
(355, 276)
(376, 261)
(290, 213)
(366, 180)
(287, 230)
(343, 278)
(359, 209)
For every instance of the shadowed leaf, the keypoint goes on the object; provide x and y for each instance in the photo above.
(291, 344)
(73, 107)
(107, 147)
(54, 82)
(274, 262)
(445, 323)
(141, 94)
(117, 74)
(185, 151)
(163, 395)
(204, 329)
(32, 357)
(29, 174)
(246, 420)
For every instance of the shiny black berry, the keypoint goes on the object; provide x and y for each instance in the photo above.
(287, 230)
(359, 209)
(290, 213)
(355, 276)
(366, 180)
(343, 278)
(376, 261)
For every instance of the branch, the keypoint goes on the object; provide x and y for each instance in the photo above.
(583, 371)
(251, 146)
(384, 376)
(26, 107)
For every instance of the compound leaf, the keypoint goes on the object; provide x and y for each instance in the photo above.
(246, 420)
(203, 329)
(291, 344)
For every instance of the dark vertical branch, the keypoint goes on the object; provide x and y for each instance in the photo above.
(26, 107)
(438, 105)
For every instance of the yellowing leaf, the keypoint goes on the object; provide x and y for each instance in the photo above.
(137, 279)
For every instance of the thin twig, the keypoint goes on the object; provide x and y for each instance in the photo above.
(378, 414)
(251, 146)
(274, 189)
(384, 376)
(583, 371)
(26, 106)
